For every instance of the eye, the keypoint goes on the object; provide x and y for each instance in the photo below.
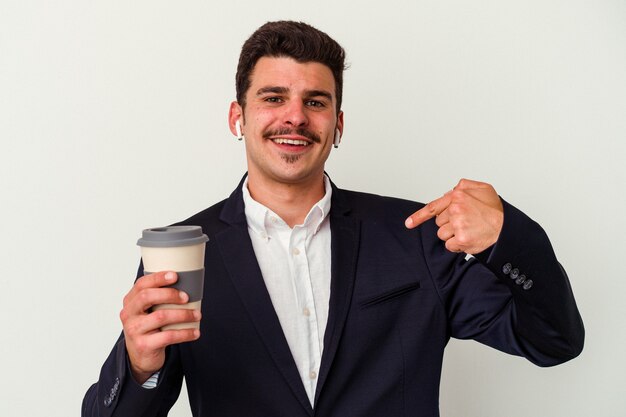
(314, 103)
(273, 99)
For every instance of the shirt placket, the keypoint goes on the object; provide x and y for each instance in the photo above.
(306, 303)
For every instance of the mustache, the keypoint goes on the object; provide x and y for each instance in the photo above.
(312, 136)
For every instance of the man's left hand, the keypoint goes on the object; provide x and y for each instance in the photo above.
(469, 217)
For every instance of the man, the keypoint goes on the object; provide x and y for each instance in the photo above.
(321, 301)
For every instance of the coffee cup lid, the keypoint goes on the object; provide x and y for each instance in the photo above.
(172, 236)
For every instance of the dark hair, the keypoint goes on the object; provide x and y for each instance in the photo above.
(295, 40)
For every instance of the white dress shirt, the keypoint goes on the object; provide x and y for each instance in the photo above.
(295, 264)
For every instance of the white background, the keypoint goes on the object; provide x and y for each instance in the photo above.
(113, 119)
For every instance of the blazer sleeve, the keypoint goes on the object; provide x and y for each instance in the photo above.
(117, 394)
(515, 297)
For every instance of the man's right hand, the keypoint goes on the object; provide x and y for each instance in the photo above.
(145, 342)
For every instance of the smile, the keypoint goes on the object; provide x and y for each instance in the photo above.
(296, 142)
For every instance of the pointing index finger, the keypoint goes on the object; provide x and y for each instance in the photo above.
(430, 210)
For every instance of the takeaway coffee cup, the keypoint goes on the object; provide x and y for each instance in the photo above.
(179, 249)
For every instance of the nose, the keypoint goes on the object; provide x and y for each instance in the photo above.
(295, 114)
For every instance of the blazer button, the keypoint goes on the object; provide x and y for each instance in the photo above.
(115, 388)
(506, 268)
(113, 393)
(528, 284)
(514, 273)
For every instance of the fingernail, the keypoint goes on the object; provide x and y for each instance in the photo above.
(170, 276)
(183, 296)
(196, 314)
(408, 222)
(196, 333)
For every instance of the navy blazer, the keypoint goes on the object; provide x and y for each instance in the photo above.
(397, 296)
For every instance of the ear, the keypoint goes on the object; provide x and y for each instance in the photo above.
(235, 112)
(340, 122)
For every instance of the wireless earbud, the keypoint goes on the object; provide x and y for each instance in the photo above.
(238, 130)
(337, 139)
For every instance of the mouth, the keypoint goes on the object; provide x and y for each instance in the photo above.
(293, 142)
(292, 137)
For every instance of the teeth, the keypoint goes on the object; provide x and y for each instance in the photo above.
(281, 141)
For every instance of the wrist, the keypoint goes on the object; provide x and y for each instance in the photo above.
(140, 376)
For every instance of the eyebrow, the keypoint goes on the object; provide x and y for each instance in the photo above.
(271, 90)
(284, 90)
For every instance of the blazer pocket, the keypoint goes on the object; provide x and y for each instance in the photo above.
(389, 295)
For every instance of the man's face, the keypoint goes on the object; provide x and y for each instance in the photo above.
(289, 120)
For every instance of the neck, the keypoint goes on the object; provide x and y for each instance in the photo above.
(292, 202)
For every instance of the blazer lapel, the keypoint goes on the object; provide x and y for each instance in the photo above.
(345, 232)
(238, 255)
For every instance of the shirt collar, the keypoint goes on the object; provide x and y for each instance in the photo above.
(258, 216)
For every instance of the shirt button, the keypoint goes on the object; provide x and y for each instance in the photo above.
(312, 374)
(528, 284)
(295, 251)
(264, 235)
(520, 280)
(506, 268)
(514, 273)
(306, 312)
(274, 220)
